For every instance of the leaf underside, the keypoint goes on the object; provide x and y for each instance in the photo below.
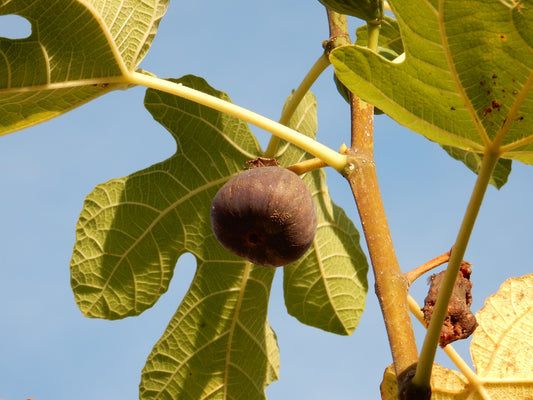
(132, 231)
(466, 78)
(76, 52)
(390, 46)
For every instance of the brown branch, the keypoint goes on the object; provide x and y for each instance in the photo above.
(390, 284)
(414, 274)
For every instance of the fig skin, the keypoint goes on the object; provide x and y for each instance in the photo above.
(266, 215)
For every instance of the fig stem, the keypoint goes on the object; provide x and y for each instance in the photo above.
(326, 154)
(307, 166)
(416, 273)
(310, 165)
(429, 347)
(373, 35)
(295, 99)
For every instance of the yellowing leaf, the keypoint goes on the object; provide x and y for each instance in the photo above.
(501, 350)
(503, 342)
(77, 51)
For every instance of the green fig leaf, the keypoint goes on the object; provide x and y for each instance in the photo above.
(57, 68)
(465, 79)
(219, 343)
(368, 10)
(390, 47)
(132, 231)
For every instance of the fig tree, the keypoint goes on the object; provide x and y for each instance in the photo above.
(266, 215)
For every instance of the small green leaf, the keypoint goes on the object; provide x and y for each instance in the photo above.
(76, 52)
(368, 10)
(466, 77)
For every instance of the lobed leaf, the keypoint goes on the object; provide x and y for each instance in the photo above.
(132, 230)
(500, 348)
(77, 51)
(465, 79)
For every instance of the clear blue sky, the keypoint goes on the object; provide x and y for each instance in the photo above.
(256, 52)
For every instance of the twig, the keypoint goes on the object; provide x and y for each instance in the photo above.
(429, 348)
(414, 274)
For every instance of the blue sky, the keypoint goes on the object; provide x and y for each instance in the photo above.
(256, 52)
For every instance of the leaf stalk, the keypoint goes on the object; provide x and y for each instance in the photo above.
(326, 154)
(429, 348)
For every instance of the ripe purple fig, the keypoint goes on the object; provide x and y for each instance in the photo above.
(265, 215)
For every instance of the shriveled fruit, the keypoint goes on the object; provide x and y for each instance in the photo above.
(460, 322)
(265, 215)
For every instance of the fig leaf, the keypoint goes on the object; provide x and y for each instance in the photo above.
(368, 10)
(77, 51)
(464, 81)
(132, 230)
(501, 347)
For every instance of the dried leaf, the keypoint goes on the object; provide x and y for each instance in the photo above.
(501, 350)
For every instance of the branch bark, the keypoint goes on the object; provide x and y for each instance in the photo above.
(390, 284)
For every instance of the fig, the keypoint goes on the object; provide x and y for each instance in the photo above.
(266, 215)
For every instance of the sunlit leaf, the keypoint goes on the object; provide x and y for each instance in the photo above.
(390, 47)
(76, 51)
(503, 342)
(328, 288)
(466, 77)
(368, 10)
(132, 231)
(501, 349)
